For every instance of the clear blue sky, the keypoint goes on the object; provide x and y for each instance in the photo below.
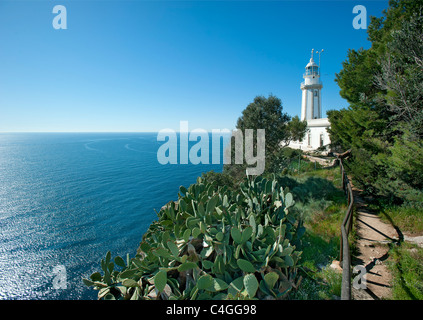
(146, 65)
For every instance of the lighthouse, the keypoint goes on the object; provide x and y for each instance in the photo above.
(311, 107)
(317, 136)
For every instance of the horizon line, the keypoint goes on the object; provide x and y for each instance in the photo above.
(10, 132)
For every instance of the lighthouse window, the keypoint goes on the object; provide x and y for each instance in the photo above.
(311, 70)
(316, 93)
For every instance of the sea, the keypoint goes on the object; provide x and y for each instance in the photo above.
(68, 198)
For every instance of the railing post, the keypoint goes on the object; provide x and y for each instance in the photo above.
(347, 191)
(346, 272)
(350, 206)
(346, 227)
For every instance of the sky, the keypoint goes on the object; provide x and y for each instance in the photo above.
(144, 66)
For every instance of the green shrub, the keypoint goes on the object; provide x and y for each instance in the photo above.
(212, 244)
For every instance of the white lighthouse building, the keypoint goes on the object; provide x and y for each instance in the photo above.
(311, 109)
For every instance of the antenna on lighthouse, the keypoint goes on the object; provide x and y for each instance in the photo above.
(321, 51)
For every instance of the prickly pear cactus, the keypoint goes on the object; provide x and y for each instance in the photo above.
(212, 244)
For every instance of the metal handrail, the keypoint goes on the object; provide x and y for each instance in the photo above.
(346, 227)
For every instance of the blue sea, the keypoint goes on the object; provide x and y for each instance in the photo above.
(68, 198)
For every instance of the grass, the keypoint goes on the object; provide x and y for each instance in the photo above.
(304, 165)
(322, 206)
(406, 260)
(406, 265)
(324, 285)
(407, 219)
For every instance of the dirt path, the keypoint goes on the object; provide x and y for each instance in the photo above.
(374, 237)
(323, 161)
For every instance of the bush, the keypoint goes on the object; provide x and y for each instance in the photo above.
(220, 179)
(212, 244)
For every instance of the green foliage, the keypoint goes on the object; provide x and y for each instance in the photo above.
(401, 76)
(212, 244)
(355, 78)
(407, 267)
(296, 130)
(409, 219)
(280, 129)
(324, 285)
(266, 113)
(384, 122)
(321, 204)
(285, 160)
(221, 179)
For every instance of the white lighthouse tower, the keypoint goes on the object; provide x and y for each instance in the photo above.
(311, 107)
